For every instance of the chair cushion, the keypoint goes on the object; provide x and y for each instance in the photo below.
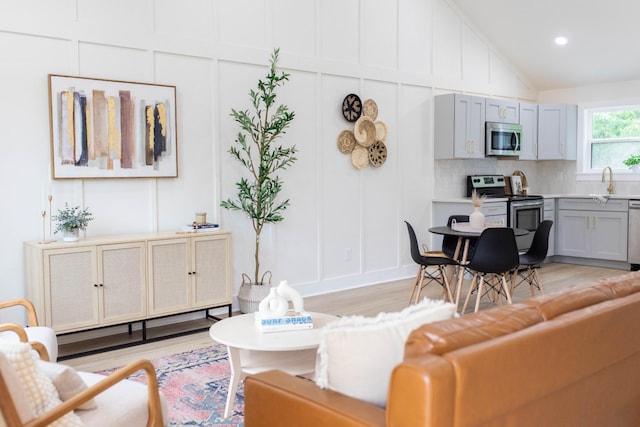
(40, 390)
(357, 354)
(125, 403)
(44, 335)
(66, 380)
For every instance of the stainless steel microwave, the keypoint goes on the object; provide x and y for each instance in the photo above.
(502, 139)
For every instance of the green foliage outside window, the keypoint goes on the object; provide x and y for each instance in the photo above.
(615, 135)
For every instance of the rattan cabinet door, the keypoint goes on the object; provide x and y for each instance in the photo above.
(71, 288)
(169, 278)
(122, 282)
(211, 281)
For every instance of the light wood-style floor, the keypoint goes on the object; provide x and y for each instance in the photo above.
(366, 301)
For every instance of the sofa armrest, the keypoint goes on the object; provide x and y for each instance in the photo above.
(275, 398)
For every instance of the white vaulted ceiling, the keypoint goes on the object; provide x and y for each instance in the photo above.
(603, 38)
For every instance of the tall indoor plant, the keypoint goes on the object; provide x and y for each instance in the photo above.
(256, 149)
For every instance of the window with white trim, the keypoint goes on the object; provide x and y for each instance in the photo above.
(612, 134)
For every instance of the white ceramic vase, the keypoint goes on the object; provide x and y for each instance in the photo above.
(476, 219)
(72, 235)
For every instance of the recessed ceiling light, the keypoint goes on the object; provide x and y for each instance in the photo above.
(560, 40)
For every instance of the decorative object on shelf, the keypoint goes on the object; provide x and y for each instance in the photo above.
(133, 114)
(476, 218)
(351, 107)
(633, 162)
(516, 184)
(71, 220)
(366, 143)
(201, 218)
(257, 151)
(273, 305)
(282, 310)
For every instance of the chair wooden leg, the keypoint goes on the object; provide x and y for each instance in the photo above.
(466, 300)
(423, 272)
(479, 296)
(506, 288)
(415, 284)
(447, 286)
(538, 281)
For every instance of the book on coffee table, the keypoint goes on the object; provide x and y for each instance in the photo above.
(289, 322)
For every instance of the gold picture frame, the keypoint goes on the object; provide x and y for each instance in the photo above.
(112, 129)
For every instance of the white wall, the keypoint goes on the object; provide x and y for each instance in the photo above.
(397, 52)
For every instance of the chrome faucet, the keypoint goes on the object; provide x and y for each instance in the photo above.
(610, 187)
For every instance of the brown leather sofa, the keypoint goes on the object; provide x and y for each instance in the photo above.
(570, 358)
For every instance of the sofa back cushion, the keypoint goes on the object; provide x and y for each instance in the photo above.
(442, 337)
(623, 285)
(357, 354)
(571, 299)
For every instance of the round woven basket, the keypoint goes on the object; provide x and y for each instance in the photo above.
(250, 295)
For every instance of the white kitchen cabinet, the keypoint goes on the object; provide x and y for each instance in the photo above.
(557, 131)
(529, 136)
(549, 213)
(188, 273)
(588, 230)
(86, 286)
(459, 126)
(112, 280)
(502, 111)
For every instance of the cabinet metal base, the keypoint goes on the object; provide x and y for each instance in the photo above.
(145, 339)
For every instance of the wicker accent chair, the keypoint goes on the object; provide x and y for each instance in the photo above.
(111, 400)
(41, 334)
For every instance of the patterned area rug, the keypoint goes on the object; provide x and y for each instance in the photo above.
(195, 385)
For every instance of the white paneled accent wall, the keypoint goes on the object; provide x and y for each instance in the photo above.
(344, 227)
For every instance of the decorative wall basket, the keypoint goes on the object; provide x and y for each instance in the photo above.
(366, 142)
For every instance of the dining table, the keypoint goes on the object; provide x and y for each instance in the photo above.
(465, 235)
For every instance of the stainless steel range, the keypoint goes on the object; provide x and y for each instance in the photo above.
(523, 211)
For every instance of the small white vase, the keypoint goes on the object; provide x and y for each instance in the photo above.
(72, 235)
(635, 168)
(476, 219)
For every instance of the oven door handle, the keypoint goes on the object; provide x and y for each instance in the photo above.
(522, 203)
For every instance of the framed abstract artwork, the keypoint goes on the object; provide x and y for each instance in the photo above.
(112, 129)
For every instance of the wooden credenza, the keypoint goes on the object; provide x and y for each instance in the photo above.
(111, 280)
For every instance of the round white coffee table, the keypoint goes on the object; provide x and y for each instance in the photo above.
(251, 351)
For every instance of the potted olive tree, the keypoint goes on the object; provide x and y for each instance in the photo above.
(71, 220)
(257, 151)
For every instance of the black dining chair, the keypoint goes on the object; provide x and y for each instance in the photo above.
(494, 261)
(531, 260)
(426, 262)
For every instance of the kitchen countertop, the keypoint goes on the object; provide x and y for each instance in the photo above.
(546, 196)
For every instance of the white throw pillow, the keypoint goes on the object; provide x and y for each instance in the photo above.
(66, 380)
(357, 354)
(40, 390)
